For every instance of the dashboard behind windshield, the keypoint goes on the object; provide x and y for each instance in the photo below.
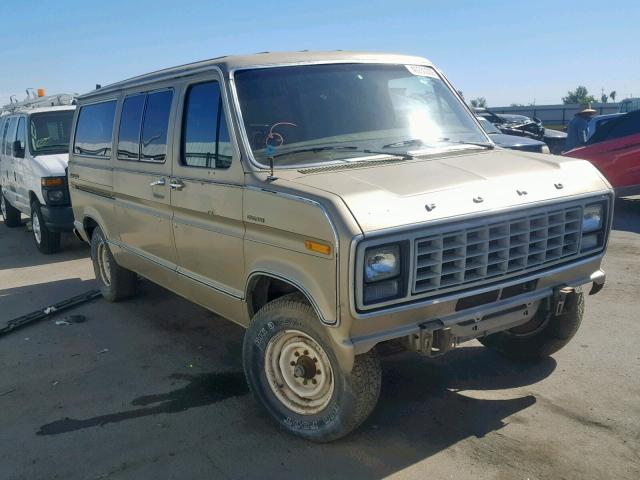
(308, 114)
(49, 132)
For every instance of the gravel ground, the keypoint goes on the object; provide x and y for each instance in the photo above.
(152, 388)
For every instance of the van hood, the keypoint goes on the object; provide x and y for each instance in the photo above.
(384, 195)
(52, 165)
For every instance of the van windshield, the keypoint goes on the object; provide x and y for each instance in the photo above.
(49, 132)
(309, 114)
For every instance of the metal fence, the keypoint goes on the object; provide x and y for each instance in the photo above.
(556, 115)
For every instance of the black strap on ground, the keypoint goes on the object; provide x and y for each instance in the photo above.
(49, 311)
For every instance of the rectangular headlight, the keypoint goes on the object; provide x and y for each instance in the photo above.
(592, 217)
(55, 196)
(381, 263)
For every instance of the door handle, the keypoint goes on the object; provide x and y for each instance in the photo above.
(158, 183)
(176, 184)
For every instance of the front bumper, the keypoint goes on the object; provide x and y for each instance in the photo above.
(483, 319)
(58, 219)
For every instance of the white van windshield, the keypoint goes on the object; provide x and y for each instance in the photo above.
(309, 114)
(49, 132)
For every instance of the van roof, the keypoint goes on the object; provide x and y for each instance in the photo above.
(31, 111)
(232, 62)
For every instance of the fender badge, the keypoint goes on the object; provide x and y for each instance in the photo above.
(478, 200)
(559, 186)
(430, 206)
(521, 192)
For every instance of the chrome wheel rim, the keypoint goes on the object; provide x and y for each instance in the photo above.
(35, 226)
(299, 372)
(3, 206)
(104, 267)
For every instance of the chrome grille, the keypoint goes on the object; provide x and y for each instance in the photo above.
(451, 259)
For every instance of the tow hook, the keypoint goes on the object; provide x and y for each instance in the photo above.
(561, 299)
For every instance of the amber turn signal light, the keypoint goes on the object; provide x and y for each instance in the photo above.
(318, 247)
(52, 181)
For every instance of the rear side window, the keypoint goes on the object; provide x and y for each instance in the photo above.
(205, 136)
(155, 126)
(129, 133)
(94, 129)
(5, 130)
(11, 128)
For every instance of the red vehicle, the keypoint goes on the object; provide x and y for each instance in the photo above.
(615, 150)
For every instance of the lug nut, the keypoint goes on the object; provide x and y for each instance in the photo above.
(314, 381)
(315, 360)
(306, 352)
(297, 354)
(293, 364)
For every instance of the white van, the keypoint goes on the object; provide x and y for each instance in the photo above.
(34, 152)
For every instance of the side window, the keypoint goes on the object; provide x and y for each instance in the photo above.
(155, 126)
(205, 136)
(5, 130)
(94, 129)
(11, 125)
(129, 132)
(21, 134)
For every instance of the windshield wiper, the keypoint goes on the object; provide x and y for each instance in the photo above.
(350, 148)
(418, 142)
(405, 143)
(488, 146)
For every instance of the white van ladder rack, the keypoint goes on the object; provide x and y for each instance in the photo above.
(58, 100)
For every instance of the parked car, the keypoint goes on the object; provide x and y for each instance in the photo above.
(297, 195)
(521, 125)
(629, 105)
(34, 146)
(512, 142)
(615, 150)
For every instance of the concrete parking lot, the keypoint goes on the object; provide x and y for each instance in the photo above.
(152, 388)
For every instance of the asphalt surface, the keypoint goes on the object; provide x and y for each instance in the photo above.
(152, 388)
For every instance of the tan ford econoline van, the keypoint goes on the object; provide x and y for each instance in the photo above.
(331, 203)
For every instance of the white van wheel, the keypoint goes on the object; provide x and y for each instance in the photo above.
(10, 214)
(46, 241)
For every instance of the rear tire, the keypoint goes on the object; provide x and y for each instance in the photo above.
(553, 333)
(115, 282)
(10, 214)
(294, 374)
(47, 242)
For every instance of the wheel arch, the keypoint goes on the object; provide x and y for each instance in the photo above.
(266, 286)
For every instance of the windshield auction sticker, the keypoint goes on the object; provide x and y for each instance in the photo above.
(421, 71)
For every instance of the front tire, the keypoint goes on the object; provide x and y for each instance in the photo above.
(10, 214)
(542, 336)
(294, 374)
(47, 242)
(115, 282)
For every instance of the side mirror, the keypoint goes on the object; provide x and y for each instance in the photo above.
(18, 151)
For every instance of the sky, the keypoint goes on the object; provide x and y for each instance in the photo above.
(505, 51)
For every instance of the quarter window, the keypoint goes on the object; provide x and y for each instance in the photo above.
(4, 136)
(155, 126)
(205, 136)
(95, 129)
(11, 124)
(129, 133)
(21, 134)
